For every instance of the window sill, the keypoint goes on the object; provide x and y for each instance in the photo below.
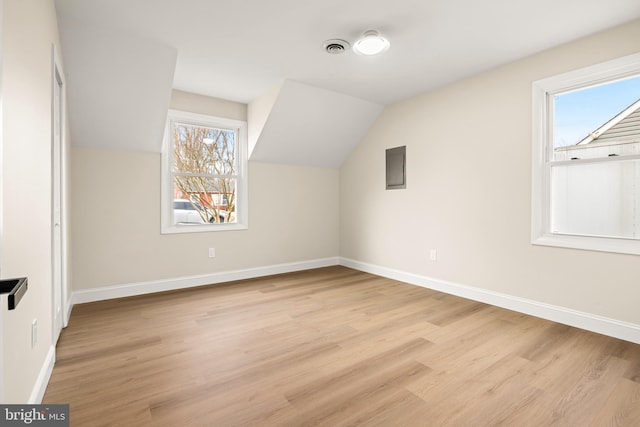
(601, 244)
(201, 228)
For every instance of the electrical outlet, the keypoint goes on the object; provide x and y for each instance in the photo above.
(433, 255)
(212, 252)
(34, 333)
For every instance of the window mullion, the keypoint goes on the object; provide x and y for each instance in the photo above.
(204, 175)
(594, 160)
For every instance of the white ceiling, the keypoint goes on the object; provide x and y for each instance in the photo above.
(118, 88)
(241, 49)
(320, 133)
(238, 49)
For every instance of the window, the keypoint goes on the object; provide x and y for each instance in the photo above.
(204, 174)
(586, 158)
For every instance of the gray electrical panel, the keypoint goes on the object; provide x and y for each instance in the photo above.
(396, 159)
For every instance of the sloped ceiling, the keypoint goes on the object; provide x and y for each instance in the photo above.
(118, 87)
(123, 57)
(308, 126)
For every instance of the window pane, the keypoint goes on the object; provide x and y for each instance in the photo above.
(596, 199)
(596, 116)
(204, 150)
(212, 199)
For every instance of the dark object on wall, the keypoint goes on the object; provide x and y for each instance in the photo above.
(396, 168)
(16, 288)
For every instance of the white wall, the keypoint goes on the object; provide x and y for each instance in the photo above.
(469, 190)
(293, 216)
(29, 30)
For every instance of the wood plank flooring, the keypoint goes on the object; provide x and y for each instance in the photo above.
(335, 347)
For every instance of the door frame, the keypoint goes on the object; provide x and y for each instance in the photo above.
(58, 198)
(1, 210)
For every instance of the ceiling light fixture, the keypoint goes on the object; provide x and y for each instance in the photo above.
(371, 43)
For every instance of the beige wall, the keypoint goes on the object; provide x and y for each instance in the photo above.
(293, 216)
(469, 190)
(29, 30)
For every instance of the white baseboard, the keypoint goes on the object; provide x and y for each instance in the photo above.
(43, 377)
(141, 288)
(590, 322)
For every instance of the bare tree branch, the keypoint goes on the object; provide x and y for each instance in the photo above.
(207, 157)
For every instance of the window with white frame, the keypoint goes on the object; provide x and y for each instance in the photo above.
(204, 173)
(586, 158)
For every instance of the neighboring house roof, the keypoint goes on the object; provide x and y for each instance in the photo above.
(624, 127)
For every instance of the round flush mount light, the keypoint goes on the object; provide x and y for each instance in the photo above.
(371, 43)
(336, 46)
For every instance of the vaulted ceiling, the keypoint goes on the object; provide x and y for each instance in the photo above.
(123, 57)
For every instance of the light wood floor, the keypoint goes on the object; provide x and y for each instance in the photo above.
(335, 347)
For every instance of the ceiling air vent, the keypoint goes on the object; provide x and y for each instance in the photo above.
(336, 46)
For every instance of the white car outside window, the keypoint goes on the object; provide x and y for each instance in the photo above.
(184, 212)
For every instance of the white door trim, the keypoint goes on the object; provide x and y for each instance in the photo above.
(58, 254)
(2, 377)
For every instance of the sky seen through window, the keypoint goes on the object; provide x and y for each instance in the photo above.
(580, 112)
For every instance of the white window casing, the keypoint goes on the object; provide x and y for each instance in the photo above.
(543, 156)
(167, 174)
